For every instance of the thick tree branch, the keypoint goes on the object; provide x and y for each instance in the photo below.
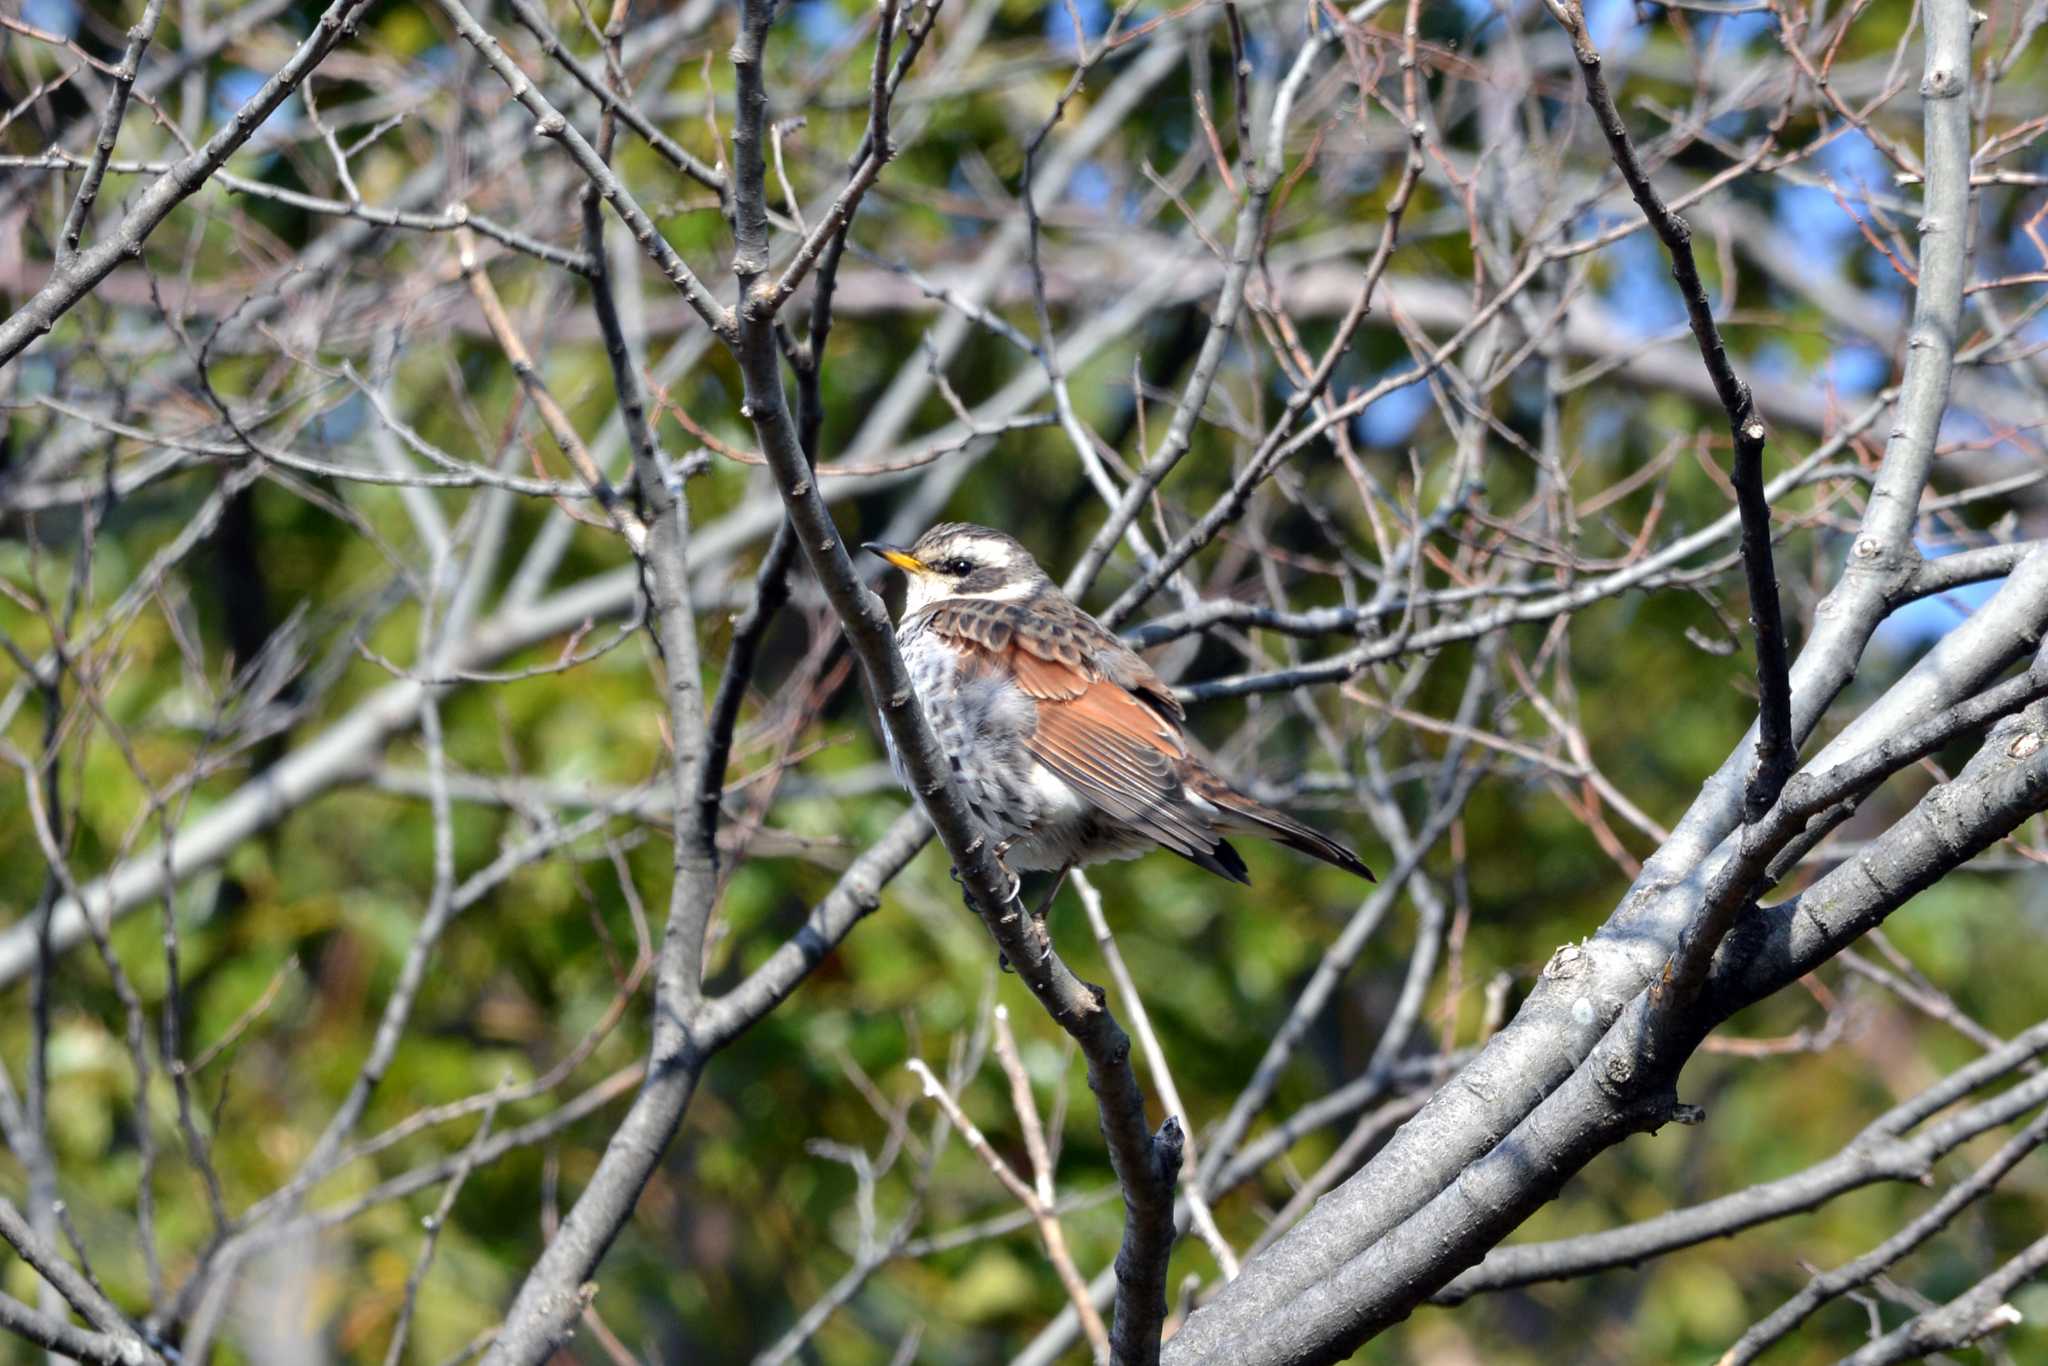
(1616, 1093)
(1881, 1152)
(1553, 1034)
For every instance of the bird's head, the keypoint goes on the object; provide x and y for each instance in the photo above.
(957, 560)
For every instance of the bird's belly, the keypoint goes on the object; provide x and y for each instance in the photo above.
(981, 723)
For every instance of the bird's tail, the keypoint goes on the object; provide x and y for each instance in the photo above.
(1240, 814)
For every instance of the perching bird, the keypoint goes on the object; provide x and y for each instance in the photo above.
(1066, 746)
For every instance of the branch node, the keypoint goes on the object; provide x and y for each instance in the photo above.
(1942, 83)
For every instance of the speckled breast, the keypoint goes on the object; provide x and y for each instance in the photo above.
(981, 720)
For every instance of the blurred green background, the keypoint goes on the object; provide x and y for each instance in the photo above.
(746, 1225)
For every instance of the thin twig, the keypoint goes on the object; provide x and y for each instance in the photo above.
(1042, 1213)
(1776, 756)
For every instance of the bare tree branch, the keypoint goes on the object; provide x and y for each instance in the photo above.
(76, 277)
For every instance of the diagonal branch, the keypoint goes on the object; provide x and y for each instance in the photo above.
(1035, 1199)
(1145, 1165)
(1881, 1152)
(551, 123)
(83, 1296)
(1832, 1284)
(615, 103)
(623, 518)
(877, 152)
(1976, 1313)
(62, 1339)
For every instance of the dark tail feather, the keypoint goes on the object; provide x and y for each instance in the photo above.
(1222, 860)
(1243, 815)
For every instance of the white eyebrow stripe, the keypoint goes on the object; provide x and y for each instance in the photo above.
(1016, 588)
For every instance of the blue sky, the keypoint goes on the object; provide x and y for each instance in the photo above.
(58, 16)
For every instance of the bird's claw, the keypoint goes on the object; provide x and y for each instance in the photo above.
(967, 895)
(1016, 882)
(1044, 952)
(1011, 897)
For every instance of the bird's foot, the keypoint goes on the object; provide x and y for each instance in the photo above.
(1016, 882)
(1010, 898)
(1014, 897)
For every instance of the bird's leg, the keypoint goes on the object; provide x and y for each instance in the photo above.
(1016, 887)
(1016, 882)
(1044, 906)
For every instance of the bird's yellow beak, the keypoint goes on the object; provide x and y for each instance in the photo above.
(897, 556)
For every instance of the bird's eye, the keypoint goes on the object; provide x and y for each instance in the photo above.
(960, 564)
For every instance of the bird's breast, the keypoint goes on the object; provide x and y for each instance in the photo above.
(983, 721)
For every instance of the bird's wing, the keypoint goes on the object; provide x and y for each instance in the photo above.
(1060, 636)
(1113, 743)
(1122, 665)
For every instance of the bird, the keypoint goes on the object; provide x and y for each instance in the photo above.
(1067, 747)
